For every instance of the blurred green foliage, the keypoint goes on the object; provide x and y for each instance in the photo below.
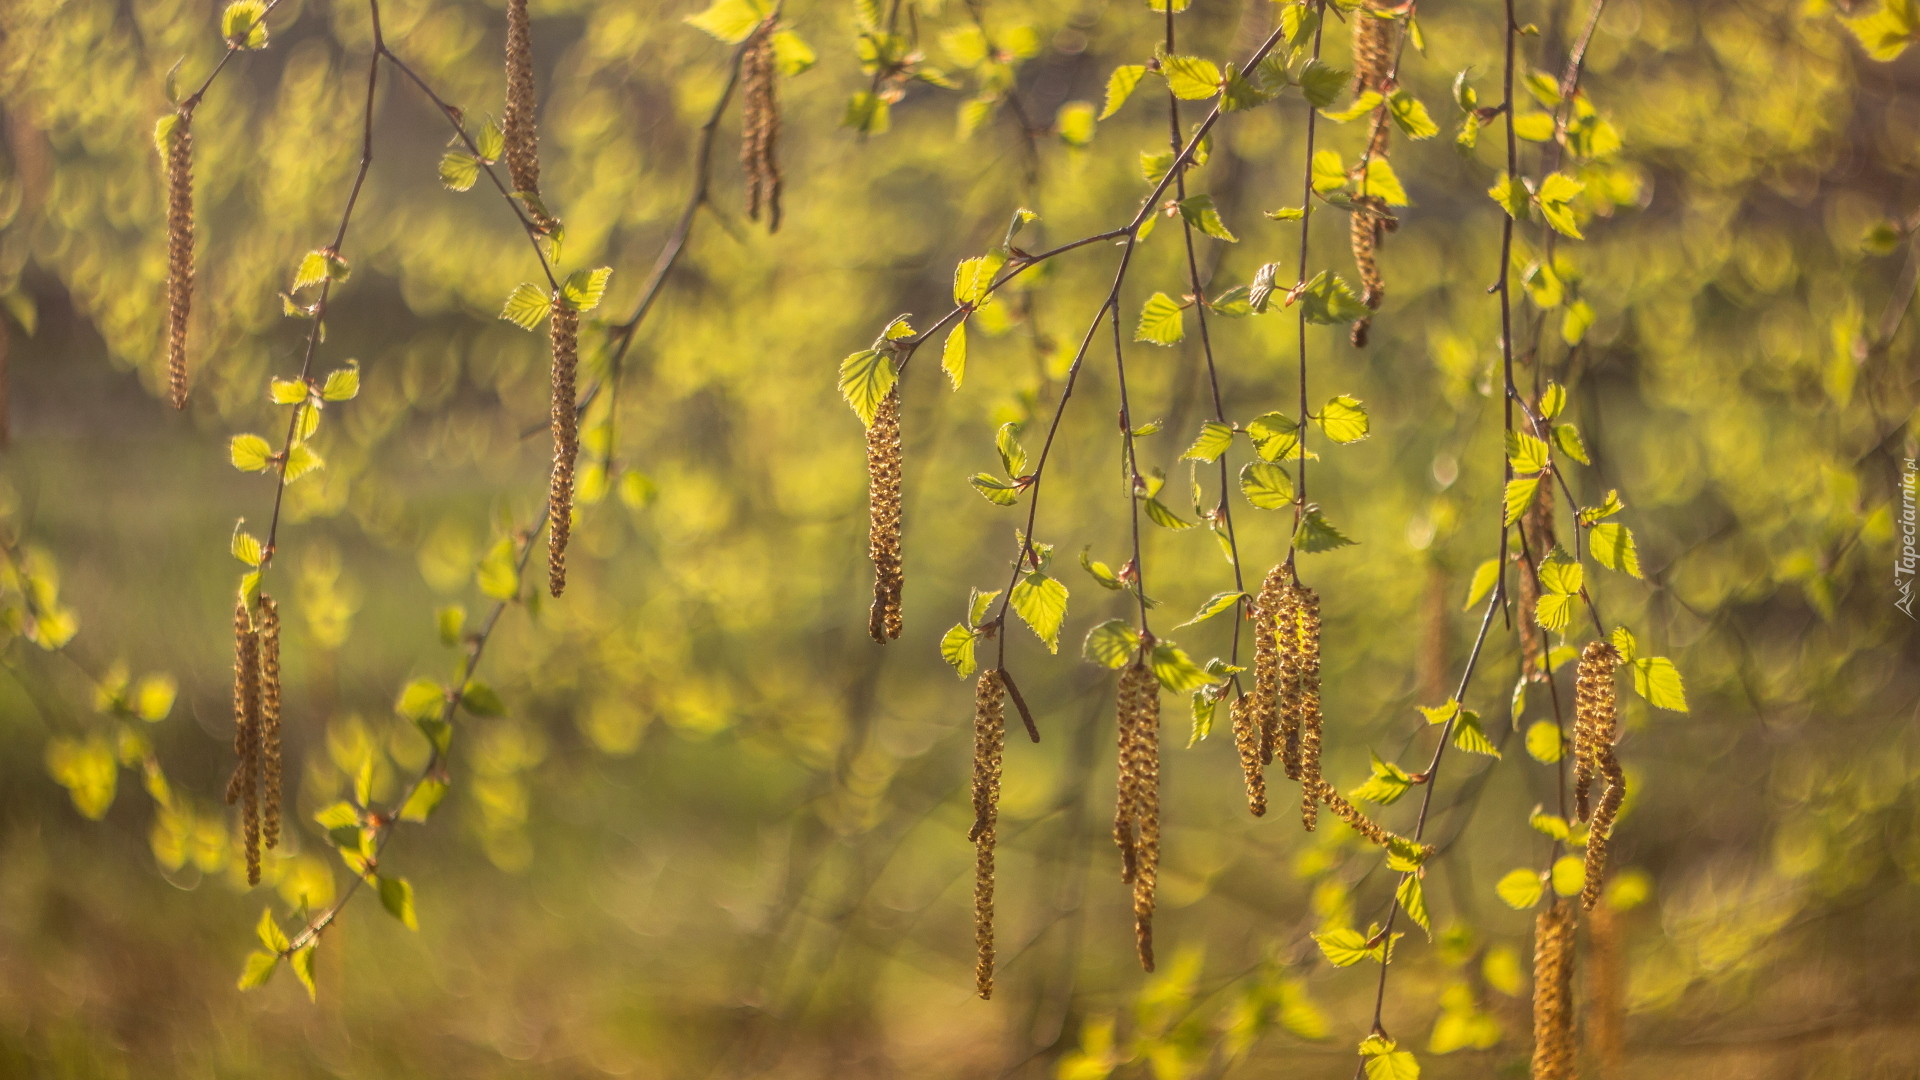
(707, 827)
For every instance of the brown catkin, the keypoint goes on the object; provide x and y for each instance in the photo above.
(1360, 822)
(1607, 992)
(1306, 679)
(1265, 714)
(1594, 717)
(1246, 738)
(522, 139)
(179, 255)
(760, 127)
(565, 331)
(1373, 64)
(270, 720)
(989, 739)
(883, 531)
(1602, 828)
(1553, 993)
(244, 788)
(1287, 643)
(1144, 766)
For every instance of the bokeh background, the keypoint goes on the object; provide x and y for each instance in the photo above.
(717, 831)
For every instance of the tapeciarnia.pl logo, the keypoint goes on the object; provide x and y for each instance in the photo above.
(1908, 560)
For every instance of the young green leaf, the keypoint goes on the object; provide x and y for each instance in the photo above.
(1190, 77)
(1317, 534)
(458, 172)
(1322, 83)
(1343, 947)
(1484, 576)
(953, 354)
(1175, 670)
(259, 969)
(1382, 183)
(1543, 742)
(1267, 486)
(729, 20)
(1520, 889)
(1519, 495)
(1329, 172)
(1569, 875)
(244, 546)
(995, 490)
(1215, 439)
(1559, 573)
(1414, 902)
(1012, 455)
(1041, 603)
(343, 384)
(1656, 679)
(270, 933)
(527, 307)
(1111, 644)
(1360, 107)
(1275, 436)
(1327, 301)
(1074, 124)
(1525, 453)
(1120, 87)
(396, 895)
(1613, 548)
(956, 648)
(973, 278)
(584, 288)
(1411, 115)
(1161, 321)
(302, 964)
(249, 453)
(1218, 603)
(866, 377)
(1344, 419)
(1469, 737)
(1158, 513)
(1201, 213)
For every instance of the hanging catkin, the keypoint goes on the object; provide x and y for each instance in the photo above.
(1594, 716)
(1607, 992)
(1360, 822)
(1265, 710)
(565, 331)
(760, 127)
(1372, 72)
(522, 140)
(179, 254)
(244, 788)
(989, 738)
(1304, 678)
(1246, 738)
(1553, 993)
(1136, 819)
(883, 531)
(1288, 706)
(270, 720)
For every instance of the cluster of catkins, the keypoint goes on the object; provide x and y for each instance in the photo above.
(255, 785)
(1373, 65)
